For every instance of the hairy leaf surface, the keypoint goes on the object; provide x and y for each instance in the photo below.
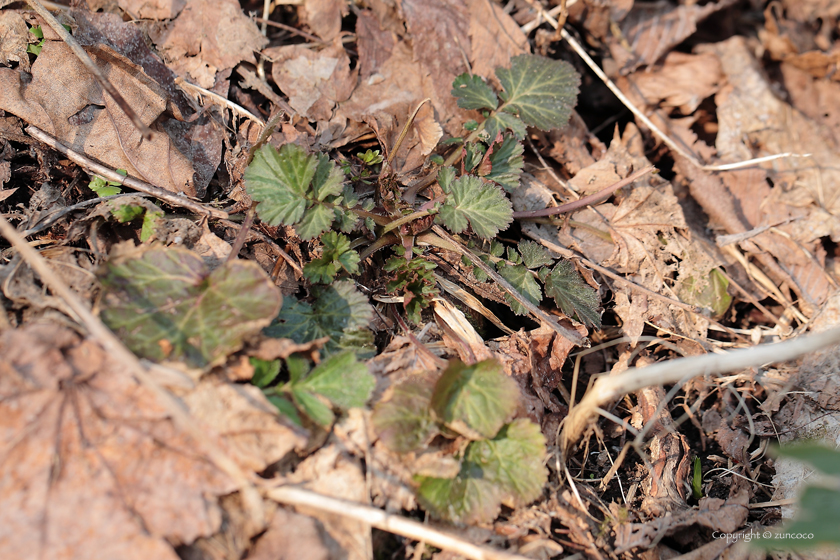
(166, 305)
(541, 91)
(476, 400)
(342, 379)
(279, 182)
(525, 283)
(337, 255)
(475, 203)
(467, 498)
(572, 294)
(534, 255)
(507, 162)
(502, 121)
(473, 93)
(405, 422)
(513, 462)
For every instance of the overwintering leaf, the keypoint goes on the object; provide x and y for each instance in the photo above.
(337, 254)
(541, 91)
(513, 461)
(166, 305)
(475, 400)
(405, 422)
(572, 294)
(338, 311)
(265, 371)
(507, 162)
(446, 176)
(343, 380)
(279, 181)
(525, 283)
(285, 407)
(313, 406)
(473, 93)
(475, 203)
(534, 255)
(467, 498)
(502, 121)
(328, 179)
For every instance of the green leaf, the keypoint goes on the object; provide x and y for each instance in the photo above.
(572, 294)
(298, 367)
(475, 203)
(476, 400)
(286, 408)
(313, 406)
(344, 381)
(709, 292)
(473, 93)
(824, 459)
(102, 187)
(815, 523)
(541, 91)
(513, 462)
(534, 255)
(507, 163)
(337, 254)
(279, 181)
(338, 311)
(265, 371)
(166, 305)
(150, 220)
(328, 179)
(405, 422)
(504, 121)
(125, 213)
(525, 283)
(467, 498)
(317, 220)
(446, 176)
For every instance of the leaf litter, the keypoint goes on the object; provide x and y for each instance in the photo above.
(364, 381)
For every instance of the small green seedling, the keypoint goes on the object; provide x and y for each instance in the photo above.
(103, 187)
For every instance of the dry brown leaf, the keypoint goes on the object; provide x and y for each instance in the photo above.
(247, 423)
(650, 31)
(375, 45)
(332, 472)
(683, 81)
(14, 38)
(494, 38)
(207, 37)
(323, 17)
(65, 100)
(314, 81)
(153, 9)
(93, 465)
(292, 536)
(570, 146)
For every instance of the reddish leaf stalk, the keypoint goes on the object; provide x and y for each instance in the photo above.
(599, 196)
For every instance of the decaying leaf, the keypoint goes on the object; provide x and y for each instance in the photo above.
(404, 422)
(166, 305)
(93, 465)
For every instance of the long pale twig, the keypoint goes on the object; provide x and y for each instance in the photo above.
(90, 65)
(118, 352)
(111, 175)
(581, 52)
(609, 388)
(539, 314)
(374, 517)
(217, 99)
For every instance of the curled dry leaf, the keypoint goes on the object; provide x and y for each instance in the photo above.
(93, 467)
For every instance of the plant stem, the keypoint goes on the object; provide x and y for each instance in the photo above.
(406, 219)
(599, 196)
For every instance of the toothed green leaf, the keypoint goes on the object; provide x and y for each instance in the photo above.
(541, 91)
(405, 422)
(313, 406)
(475, 400)
(279, 182)
(473, 93)
(534, 255)
(337, 254)
(525, 283)
(343, 380)
(475, 203)
(467, 498)
(328, 179)
(265, 371)
(572, 294)
(502, 121)
(317, 220)
(512, 461)
(166, 305)
(446, 176)
(339, 311)
(507, 162)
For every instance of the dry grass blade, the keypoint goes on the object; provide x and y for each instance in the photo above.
(609, 388)
(392, 523)
(113, 176)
